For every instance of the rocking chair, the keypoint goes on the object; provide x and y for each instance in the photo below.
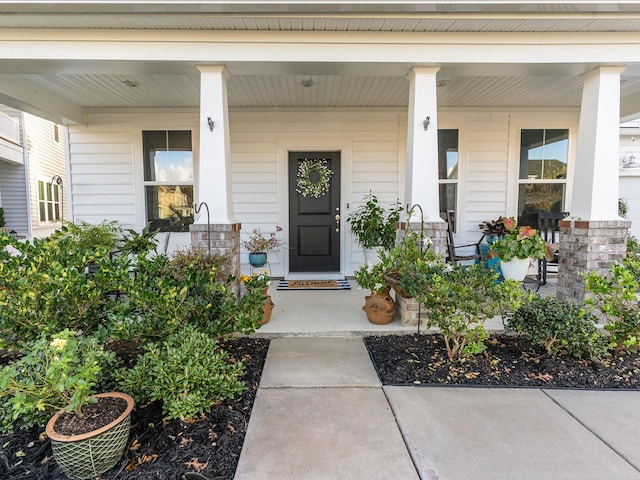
(452, 255)
(548, 229)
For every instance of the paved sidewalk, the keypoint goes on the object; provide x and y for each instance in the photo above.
(321, 413)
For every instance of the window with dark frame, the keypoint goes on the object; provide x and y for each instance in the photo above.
(542, 181)
(168, 179)
(448, 162)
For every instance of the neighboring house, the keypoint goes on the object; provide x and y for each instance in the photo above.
(32, 153)
(486, 108)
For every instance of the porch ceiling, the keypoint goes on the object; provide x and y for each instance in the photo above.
(62, 90)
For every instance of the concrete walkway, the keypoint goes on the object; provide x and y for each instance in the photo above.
(321, 413)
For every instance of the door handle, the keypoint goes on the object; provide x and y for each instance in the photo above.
(337, 217)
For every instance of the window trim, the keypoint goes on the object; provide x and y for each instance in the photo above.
(49, 193)
(142, 183)
(539, 121)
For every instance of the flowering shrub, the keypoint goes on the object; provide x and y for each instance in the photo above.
(263, 243)
(519, 242)
(256, 281)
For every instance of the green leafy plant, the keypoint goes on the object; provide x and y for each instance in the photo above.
(372, 276)
(459, 299)
(623, 207)
(47, 288)
(374, 226)
(59, 371)
(188, 372)
(2, 220)
(633, 245)
(560, 327)
(616, 296)
(139, 244)
(519, 242)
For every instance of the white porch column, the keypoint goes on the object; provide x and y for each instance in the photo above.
(421, 175)
(595, 186)
(214, 174)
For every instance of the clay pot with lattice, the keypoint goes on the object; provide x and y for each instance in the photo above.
(87, 455)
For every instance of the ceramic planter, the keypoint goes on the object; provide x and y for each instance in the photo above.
(515, 269)
(371, 255)
(90, 454)
(258, 259)
(379, 308)
(267, 306)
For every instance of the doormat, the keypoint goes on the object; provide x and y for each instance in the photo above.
(314, 285)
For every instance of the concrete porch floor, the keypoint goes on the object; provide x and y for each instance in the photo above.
(339, 313)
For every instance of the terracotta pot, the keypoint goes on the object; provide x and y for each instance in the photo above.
(90, 454)
(267, 307)
(379, 308)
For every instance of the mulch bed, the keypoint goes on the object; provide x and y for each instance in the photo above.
(508, 361)
(159, 450)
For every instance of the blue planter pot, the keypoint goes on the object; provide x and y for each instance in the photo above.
(257, 260)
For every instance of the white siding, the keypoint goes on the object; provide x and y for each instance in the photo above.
(101, 168)
(370, 143)
(13, 187)
(45, 158)
(106, 169)
(630, 181)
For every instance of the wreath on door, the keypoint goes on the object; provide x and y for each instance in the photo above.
(314, 177)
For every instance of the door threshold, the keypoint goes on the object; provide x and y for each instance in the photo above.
(314, 276)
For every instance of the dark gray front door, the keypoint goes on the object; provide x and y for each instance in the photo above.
(314, 233)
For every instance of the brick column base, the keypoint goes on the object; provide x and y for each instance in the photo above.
(587, 246)
(436, 231)
(224, 238)
(407, 312)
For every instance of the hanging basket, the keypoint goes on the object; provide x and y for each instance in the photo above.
(90, 454)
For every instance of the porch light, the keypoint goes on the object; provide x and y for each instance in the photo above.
(630, 162)
(210, 123)
(426, 122)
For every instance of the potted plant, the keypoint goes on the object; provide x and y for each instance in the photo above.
(493, 229)
(260, 244)
(373, 226)
(259, 282)
(412, 251)
(59, 374)
(517, 248)
(379, 306)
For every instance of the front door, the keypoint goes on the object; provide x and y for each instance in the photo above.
(314, 212)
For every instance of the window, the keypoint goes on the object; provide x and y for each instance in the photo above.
(168, 179)
(544, 154)
(448, 170)
(48, 201)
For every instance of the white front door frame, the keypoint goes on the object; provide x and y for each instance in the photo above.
(304, 143)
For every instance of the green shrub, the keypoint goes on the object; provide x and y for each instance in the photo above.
(58, 371)
(616, 296)
(188, 372)
(47, 288)
(458, 299)
(561, 327)
(192, 287)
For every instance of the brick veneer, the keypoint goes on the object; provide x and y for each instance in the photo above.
(586, 246)
(225, 238)
(407, 308)
(436, 231)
